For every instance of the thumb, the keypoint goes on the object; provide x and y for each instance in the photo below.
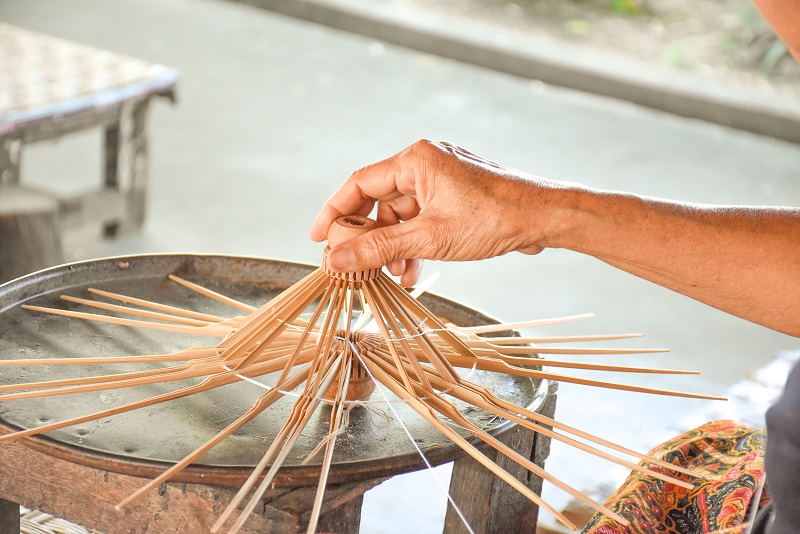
(377, 248)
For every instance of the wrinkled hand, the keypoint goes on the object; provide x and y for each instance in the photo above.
(453, 205)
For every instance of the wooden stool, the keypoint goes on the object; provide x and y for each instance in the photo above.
(29, 232)
(50, 87)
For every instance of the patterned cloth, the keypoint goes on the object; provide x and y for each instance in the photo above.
(733, 457)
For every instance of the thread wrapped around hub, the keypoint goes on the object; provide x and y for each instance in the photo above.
(361, 385)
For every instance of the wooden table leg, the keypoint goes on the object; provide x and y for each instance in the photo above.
(126, 165)
(87, 496)
(490, 505)
(345, 519)
(9, 517)
(10, 156)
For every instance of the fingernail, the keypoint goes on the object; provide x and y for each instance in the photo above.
(342, 259)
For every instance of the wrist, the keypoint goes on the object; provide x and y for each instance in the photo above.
(559, 214)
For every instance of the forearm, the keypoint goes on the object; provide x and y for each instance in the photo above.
(743, 260)
(784, 17)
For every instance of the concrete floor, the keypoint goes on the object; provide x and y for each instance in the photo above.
(274, 113)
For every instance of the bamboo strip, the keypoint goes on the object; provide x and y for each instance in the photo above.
(287, 310)
(257, 328)
(59, 387)
(387, 314)
(157, 306)
(211, 331)
(133, 311)
(188, 354)
(366, 291)
(218, 380)
(432, 352)
(489, 328)
(141, 378)
(212, 294)
(541, 362)
(192, 369)
(426, 316)
(571, 350)
(334, 430)
(309, 328)
(544, 420)
(261, 404)
(558, 339)
(490, 364)
(418, 291)
(449, 410)
(316, 279)
(296, 421)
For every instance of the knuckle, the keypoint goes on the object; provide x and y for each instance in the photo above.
(430, 241)
(424, 148)
(382, 247)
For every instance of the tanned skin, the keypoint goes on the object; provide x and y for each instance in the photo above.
(455, 205)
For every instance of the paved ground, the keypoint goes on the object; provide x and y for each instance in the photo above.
(273, 113)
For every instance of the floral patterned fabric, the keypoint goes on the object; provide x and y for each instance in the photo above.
(732, 455)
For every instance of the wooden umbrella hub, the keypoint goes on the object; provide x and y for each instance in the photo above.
(361, 384)
(343, 229)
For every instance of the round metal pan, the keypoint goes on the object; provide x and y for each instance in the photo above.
(145, 441)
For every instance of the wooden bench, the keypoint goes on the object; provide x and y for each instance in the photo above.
(50, 88)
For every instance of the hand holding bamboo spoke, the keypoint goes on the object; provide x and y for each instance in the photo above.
(331, 337)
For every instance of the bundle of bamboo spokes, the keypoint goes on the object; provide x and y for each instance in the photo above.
(333, 337)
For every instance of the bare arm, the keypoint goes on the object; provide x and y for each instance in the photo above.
(458, 206)
(784, 17)
(742, 260)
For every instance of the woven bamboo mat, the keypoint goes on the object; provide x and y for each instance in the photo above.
(37, 70)
(36, 522)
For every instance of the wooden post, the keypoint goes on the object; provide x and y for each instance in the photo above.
(10, 156)
(29, 232)
(345, 519)
(126, 165)
(9, 517)
(490, 505)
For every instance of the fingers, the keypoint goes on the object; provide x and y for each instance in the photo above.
(355, 203)
(396, 180)
(345, 259)
(397, 267)
(388, 245)
(412, 273)
(382, 181)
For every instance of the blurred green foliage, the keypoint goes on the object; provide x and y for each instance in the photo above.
(578, 26)
(627, 7)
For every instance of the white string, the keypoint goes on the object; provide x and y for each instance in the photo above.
(261, 385)
(413, 441)
(420, 334)
(349, 405)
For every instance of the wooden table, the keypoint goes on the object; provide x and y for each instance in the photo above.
(70, 478)
(50, 88)
(87, 496)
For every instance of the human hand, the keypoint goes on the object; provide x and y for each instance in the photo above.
(453, 205)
